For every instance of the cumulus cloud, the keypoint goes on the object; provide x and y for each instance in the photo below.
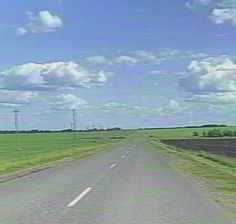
(224, 11)
(210, 75)
(192, 4)
(160, 56)
(176, 106)
(158, 72)
(128, 60)
(220, 16)
(44, 21)
(227, 4)
(69, 102)
(14, 98)
(202, 2)
(146, 57)
(154, 73)
(125, 60)
(171, 108)
(64, 101)
(48, 76)
(116, 105)
(98, 60)
(215, 98)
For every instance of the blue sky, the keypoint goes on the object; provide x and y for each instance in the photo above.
(121, 63)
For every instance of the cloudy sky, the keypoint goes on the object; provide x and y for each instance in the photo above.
(133, 63)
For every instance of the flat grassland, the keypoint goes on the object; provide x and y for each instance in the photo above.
(40, 148)
(181, 133)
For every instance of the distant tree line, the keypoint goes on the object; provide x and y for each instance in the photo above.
(192, 126)
(207, 126)
(216, 133)
(51, 131)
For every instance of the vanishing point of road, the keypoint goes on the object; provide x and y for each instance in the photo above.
(130, 184)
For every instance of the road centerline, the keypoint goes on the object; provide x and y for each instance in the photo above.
(113, 165)
(79, 197)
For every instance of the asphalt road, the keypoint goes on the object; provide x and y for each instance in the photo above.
(130, 184)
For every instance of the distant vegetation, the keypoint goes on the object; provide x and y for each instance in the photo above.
(50, 131)
(216, 133)
(192, 126)
(207, 126)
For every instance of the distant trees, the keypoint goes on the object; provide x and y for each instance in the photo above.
(50, 131)
(216, 133)
(206, 126)
(228, 133)
(195, 133)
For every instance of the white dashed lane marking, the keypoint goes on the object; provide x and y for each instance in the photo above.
(80, 197)
(113, 165)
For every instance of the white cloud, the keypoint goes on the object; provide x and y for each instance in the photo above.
(215, 98)
(211, 75)
(202, 2)
(17, 97)
(12, 98)
(172, 108)
(113, 61)
(192, 4)
(158, 72)
(125, 60)
(48, 76)
(166, 54)
(227, 4)
(98, 60)
(68, 102)
(220, 16)
(116, 105)
(26, 96)
(160, 56)
(224, 11)
(176, 106)
(44, 21)
(146, 57)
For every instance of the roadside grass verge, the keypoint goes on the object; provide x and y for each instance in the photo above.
(216, 172)
(45, 158)
(43, 149)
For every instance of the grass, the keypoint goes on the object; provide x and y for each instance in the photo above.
(217, 172)
(37, 149)
(177, 133)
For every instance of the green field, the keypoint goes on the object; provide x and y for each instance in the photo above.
(36, 149)
(172, 133)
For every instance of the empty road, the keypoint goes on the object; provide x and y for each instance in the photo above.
(130, 184)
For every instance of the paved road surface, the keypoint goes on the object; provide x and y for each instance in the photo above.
(131, 184)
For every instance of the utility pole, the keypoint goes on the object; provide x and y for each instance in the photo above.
(88, 127)
(74, 123)
(16, 118)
